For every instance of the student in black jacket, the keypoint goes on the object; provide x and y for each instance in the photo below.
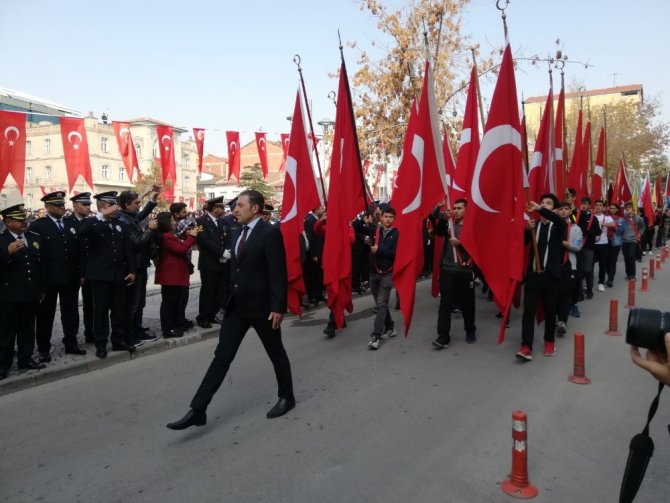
(542, 275)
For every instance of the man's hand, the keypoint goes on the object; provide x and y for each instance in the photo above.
(148, 191)
(533, 206)
(15, 246)
(276, 319)
(82, 281)
(374, 248)
(154, 196)
(130, 278)
(655, 362)
(153, 224)
(454, 242)
(315, 260)
(566, 244)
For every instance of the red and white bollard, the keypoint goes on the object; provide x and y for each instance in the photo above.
(631, 294)
(663, 256)
(651, 269)
(658, 261)
(645, 280)
(517, 484)
(579, 372)
(614, 318)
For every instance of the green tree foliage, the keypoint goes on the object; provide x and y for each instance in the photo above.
(252, 178)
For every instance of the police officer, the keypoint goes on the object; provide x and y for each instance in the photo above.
(60, 265)
(110, 266)
(20, 290)
(213, 262)
(81, 209)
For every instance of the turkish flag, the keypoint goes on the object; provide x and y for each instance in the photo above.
(586, 159)
(233, 139)
(75, 150)
(622, 192)
(467, 152)
(558, 146)
(599, 171)
(345, 200)
(199, 135)
(575, 173)
(261, 144)
(366, 167)
(539, 169)
(645, 200)
(497, 195)
(191, 202)
(285, 139)
(300, 197)
(422, 184)
(167, 159)
(13, 147)
(658, 192)
(126, 147)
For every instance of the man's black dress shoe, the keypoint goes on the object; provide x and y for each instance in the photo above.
(282, 406)
(217, 320)
(192, 418)
(101, 353)
(44, 358)
(204, 324)
(172, 333)
(74, 350)
(31, 365)
(122, 346)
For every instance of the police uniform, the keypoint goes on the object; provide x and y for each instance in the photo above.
(110, 259)
(60, 259)
(86, 295)
(213, 240)
(20, 288)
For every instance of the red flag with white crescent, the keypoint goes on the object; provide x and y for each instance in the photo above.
(469, 147)
(261, 145)
(300, 197)
(233, 139)
(285, 140)
(538, 171)
(645, 200)
(576, 163)
(599, 170)
(558, 146)
(126, 147)
(622, 191)
(497, 201)
(75, 150)
(199, 135)
(13, 147)
(167, 159)
(191, 202)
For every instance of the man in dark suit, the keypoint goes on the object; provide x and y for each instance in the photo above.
(22, 285)
(313, 264)
(258, 299)
(109, 268)
(543, 276)
(60, 264)
(81, 209)
(213, 262)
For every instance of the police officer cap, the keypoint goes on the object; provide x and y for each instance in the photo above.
(215, 201)
(57, 198)
(83, 198)
(108, 197)
(268, 208)
(16, 212)
(232, 203)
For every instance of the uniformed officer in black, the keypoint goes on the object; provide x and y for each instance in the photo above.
(213, 262)
(60, 261)
(110, 266)
(81, 209)
(20, 290)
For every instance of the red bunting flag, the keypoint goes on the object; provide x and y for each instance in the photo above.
(75, 150)
(575, 173)
(539, 169)
(191, 202)
(126, 147)
(558, 146)
(497, 195)
(261, 144)
(233, 139)
(285, 139)
(300, 197)
(622, 191)
(467, 152)
(599, 170)
(658, 192)
(586, 159)
(13, 147)
(167, 159)
(645, 200)
(199, 135)
(345, 200)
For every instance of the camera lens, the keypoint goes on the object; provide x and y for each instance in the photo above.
(647, 327)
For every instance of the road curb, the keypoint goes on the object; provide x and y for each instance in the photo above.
(90, 363)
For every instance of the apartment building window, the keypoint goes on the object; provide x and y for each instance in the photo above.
(210, 195)
(154, 150)
(29, 147)
(138, 150)
(122, 173)
(3, 201)
(47, 146)
(30, 200)
(186, 159)
(103, 145)
(47, 172)
(29, 174)
(187, 182)
(104, 172)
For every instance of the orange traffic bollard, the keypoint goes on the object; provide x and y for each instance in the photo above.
(517, 484)
(663, 256)
(631, 294)
(614, 318)
(658, 261)
(651, 269)
(579, 372)
(645, 280)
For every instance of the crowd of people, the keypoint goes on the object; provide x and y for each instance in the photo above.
(56, 255)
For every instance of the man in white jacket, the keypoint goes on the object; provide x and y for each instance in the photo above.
(572, 243)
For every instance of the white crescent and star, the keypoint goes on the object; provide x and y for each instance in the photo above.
(291, 172)
(493, 139)
(418, 147)
(261, 143)
(201, 135)
(233, 145)
(69, 138)
(163, 138)
(125, 131)
(8, 129)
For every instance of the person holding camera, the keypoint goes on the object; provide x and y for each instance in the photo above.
(655, 361)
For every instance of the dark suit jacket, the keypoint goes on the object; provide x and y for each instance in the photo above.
(111, 254)
(82, 245)
(555, 244)
(21, 277)
(315, 241)
(259, 280)
(59, 251)
(212, 242)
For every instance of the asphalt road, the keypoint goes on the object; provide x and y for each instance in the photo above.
(406, 423)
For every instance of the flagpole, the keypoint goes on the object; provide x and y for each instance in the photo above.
(479, 92)
(552, 146)
(605, 146)
(296, 60)
(564, 131)
(364, 185)
(590, 163)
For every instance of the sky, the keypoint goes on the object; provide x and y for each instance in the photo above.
(227, 65)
